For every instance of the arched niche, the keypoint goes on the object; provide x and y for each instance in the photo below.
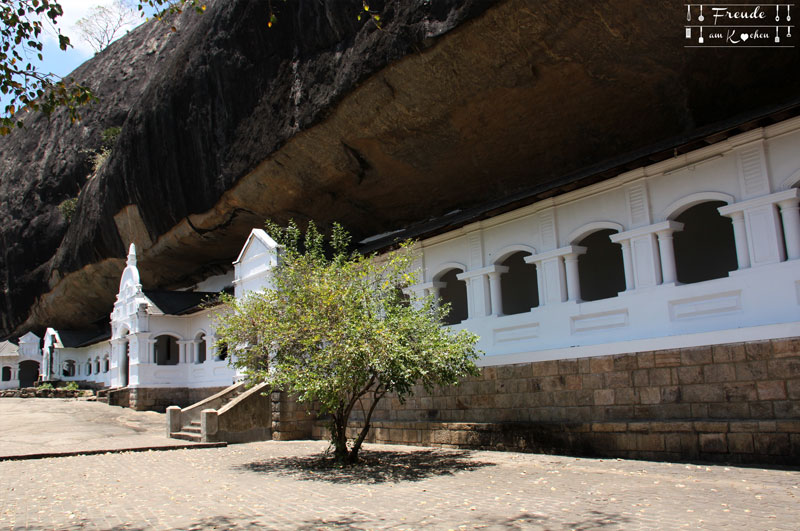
(683, 204)
(600, 269)
(166, 350)
(453, 291)
(519, 286)
(705, 249)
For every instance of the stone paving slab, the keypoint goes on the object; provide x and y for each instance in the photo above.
(66, 425)
(281, 485)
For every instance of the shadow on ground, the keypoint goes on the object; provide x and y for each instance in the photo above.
(376, 466)
(358, 521)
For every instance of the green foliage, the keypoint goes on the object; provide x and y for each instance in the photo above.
(336, 329)
(67, 208)
(21, 25)
(71, 386)
(45, 386)
(110, 136)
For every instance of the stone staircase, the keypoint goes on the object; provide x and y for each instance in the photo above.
(191, 426)
(190, 432)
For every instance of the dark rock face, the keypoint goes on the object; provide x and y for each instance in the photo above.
(450, 104)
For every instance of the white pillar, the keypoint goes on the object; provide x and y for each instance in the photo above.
(540, 283)
(182, 355)
(666, 249)
(627, 264)
(790, 216)
(496, 294)
(573, 277)
(151, 351)
(740, 235)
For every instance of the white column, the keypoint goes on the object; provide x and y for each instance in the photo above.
(790, 216)
(740, 236)
(496, 294)
(431, 289)
(540, 283)
(550, 272)
(182, 350)
(151, 351)
(573, 277)
(666, 250)
(483, 296)
(627, 264)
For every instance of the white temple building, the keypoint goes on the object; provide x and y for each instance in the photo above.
(19, 364)
(700, 249)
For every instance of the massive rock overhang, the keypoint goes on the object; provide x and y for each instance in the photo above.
(509, 107)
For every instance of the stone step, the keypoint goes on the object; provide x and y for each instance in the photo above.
(191, 429)
(195, 423)
(186, 436)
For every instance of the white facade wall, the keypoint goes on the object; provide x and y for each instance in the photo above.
(136, 324)
(252, 267)
(754, 173)
(190, 372)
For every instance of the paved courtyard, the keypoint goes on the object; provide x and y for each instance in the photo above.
(281, 485)
(56, 425)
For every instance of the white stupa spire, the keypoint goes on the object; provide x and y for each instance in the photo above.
(132, 255)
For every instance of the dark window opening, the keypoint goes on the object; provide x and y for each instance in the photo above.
(519, 286)
(166, 350)
(222, 352)
(69, 369)
(201, 348)
(705, 249)
(600, 269)
(6, 374)
(455, 293)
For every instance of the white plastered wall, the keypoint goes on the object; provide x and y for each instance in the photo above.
(752, 172)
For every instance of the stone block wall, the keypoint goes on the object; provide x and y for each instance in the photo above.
(736, 402)
(160, 398)
(291, 420)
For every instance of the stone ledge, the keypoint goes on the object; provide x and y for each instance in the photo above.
(705, 440)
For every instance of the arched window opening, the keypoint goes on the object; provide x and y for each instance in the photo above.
(166, 350)
(455, 293)
(97, 365)
(705, 248)
(88, 368)
(69, 369)
(201, 348)
(28, 373)
(222, 352)
(6, 374)
(519, 286)
(106, 364)
(600, 269)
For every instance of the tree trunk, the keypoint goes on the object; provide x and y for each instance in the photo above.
(353, 456)
(339, 439)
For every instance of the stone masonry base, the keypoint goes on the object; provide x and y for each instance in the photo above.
(159, 398)
(764, 442)
(736, 403)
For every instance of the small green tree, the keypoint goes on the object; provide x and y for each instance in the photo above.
(338, 331)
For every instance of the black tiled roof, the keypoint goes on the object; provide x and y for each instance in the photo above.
(181, 302)
(82, 338)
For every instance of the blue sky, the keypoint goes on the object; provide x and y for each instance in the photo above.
(62, 63)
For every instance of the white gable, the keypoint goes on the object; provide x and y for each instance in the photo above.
(258, 256)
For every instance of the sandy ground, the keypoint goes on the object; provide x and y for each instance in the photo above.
(53, 425)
